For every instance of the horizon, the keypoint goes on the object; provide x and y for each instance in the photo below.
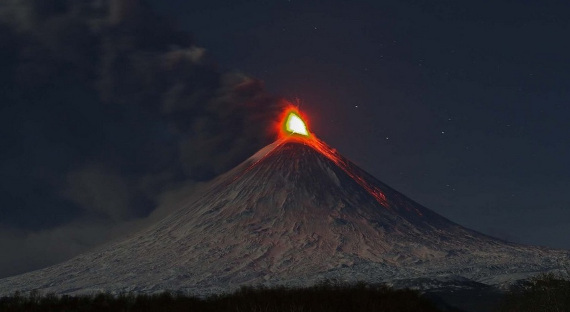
(112, 114)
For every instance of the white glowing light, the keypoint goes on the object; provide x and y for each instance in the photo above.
(295, 124)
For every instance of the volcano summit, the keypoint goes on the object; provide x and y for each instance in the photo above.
(295, 213)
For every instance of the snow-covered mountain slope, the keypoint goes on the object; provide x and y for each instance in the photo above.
(295, 213)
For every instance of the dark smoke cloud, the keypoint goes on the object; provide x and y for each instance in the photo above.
(104, 108)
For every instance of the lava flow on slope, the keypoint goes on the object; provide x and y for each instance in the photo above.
(295, 213)
(293, 127)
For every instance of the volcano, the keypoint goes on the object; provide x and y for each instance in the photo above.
(295, 213)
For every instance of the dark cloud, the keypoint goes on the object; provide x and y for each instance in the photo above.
(106, 107)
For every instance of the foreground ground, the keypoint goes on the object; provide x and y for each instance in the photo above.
(541, 294)
(329, 298)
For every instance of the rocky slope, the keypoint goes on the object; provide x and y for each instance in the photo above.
(295, 213)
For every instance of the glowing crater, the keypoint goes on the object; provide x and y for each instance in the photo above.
(295, 125)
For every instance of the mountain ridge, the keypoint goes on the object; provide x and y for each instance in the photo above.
(295, 213)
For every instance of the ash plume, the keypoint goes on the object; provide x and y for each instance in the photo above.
(106, 107)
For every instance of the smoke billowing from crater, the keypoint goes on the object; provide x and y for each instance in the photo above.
(105, 107)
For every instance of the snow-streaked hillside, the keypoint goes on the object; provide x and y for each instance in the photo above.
(295, 213)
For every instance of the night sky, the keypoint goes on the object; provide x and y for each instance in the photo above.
(461, 106)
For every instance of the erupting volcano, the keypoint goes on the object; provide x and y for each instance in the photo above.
(295, 213)
(295, 125)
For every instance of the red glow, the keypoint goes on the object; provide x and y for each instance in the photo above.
(327, 151)
(282, 128)
(332, 154)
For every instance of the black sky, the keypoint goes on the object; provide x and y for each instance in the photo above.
(463, 106)
(105, 115)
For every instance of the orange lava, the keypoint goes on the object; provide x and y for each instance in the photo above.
(311, 140)
(333, 155)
